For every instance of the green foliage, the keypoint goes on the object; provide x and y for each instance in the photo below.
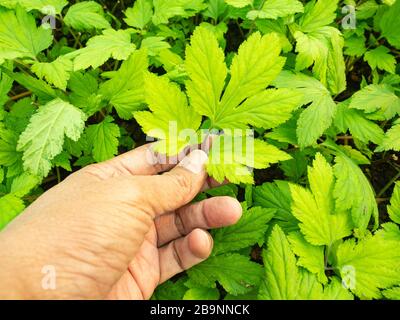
(369, 265)
(112, 43)
(43, 138)
(390, 24)
(28, 42)
(319, 115)
(234, 272)
(321, 223)
(394, 208)
(284, 280)
(250, 229)
(85, 16)
(103, 139)
(305, 115)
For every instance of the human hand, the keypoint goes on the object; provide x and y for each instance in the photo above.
(113, 230)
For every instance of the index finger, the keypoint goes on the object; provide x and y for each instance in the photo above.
(142, 161)
(145, 160)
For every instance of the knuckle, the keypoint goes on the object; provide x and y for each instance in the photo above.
(177, 257)
(179, 224)
(97, 170)
(184, 183)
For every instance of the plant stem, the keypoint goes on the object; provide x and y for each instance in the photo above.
(385, 188)
(58, 175)
(21, 95)
(254, 23)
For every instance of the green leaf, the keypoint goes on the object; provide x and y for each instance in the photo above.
(217, 9)
(234, 272)
(229, 190)
(310, 257)
(8, 147)
(86, 15)
(63, 161)
(125, 91)
(318, 117)
(256, 65)
(170, 290)
(166, 9)
(155, 45)
(170, 115)
(353, 191)
(359, 126)
(392, 293)
(111, 44)
(394, 207)
(10, 207)
(319, 223)
(377, 97)
(277, 196)
(44, 91)
(239, 3)
(286, 133)
(231, 157)
(274, 9)
(381, 58)
(296, 168)
(281, 272)
(267, 109)
(318, 14)
(355, 46)
(23, 184)
(244, 102)
(45, 6)
(140, 14)
(5, 86)
(285, 281)
(84, 92)
(103, 139)
(336, 291)
(367, 9)
(311, 289)
(390, 24)
(371, 264)
(28, 41)
(207, 70)
(56, 72)
(43, 139)
(323, 48)
(253, 69)
(249, 230)
(201, 294)
(247, 296)
(391, 141)
(389, 231)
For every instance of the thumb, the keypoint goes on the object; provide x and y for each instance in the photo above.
(176, 188)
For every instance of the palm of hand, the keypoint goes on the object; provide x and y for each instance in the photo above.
(176, 242)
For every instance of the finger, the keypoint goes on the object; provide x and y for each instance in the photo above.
(145, 160)
(184, 253)
(176, 188)
(140, 161)
(208, 214)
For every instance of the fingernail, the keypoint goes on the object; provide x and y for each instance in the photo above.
(195, 161)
